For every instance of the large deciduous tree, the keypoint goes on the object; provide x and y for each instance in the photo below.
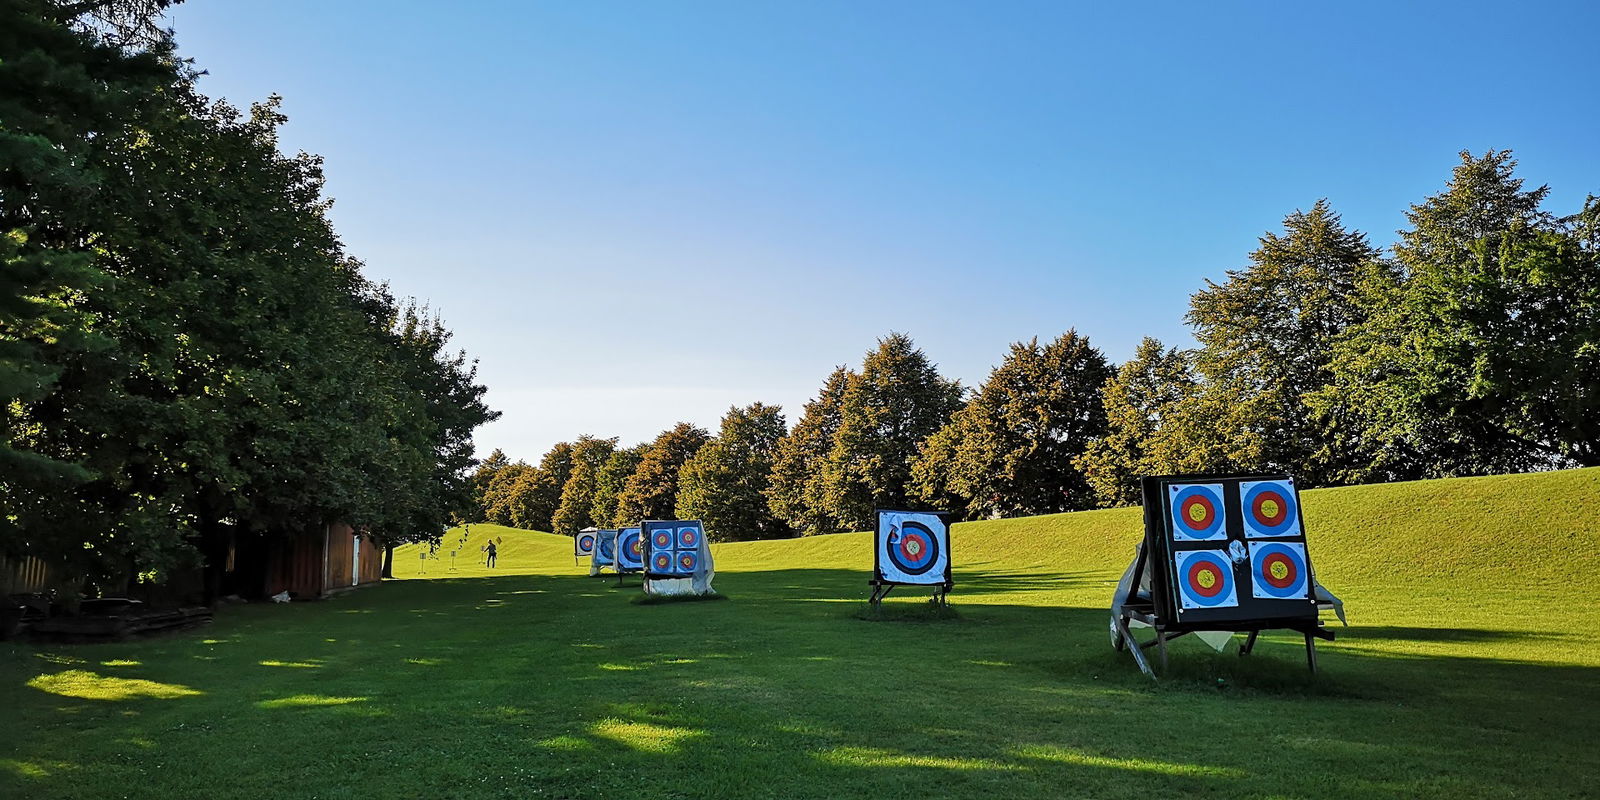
(795, 491)
(1140, 403)
(898, 400)
(725, 483)
(1482, 354)
(1267, 338)
(576, 510)
(651, 492)
(1010, 450)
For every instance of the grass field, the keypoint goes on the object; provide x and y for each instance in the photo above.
(1470, 670)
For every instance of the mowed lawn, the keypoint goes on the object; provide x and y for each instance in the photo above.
(1470, 670)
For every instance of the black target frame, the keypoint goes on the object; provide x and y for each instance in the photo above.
(1161, 608)
(882, 587)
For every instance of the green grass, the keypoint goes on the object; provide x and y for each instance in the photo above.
(1470, 670)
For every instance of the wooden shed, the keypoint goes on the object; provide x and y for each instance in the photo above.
(318, 563)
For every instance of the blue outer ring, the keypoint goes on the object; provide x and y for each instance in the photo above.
(1212, 531)
(930, 553)
(624, 556)
(676, 567)
(1223, 568)
(1294, 591)
(582, 540)
(688, 536)
(655, 545)
(1290, 520)
(672, 560)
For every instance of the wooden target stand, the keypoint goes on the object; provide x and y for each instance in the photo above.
(882, 588)
(1136, 606)
(1148, 591)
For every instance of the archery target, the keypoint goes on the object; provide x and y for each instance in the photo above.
(1269, 509)
(583, 544)
(605, 549)
(1205, 579)
(661, 561)
(689, 537)
(913, 548)
(630, 549)
(661, 539)
(1197, 512)
(687, 561)
(1278, 570)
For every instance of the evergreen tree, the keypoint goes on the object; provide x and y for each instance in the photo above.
(575, 512)
(651, 492)
(898, 400)
(725, 483)
(608, 484)
(1267, 337)
(1139, 402)
(795, 491)
(1010, 450)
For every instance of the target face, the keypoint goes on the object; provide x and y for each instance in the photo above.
(912, 547)
(584, 544)
(661, 561)
(1278, 570)
(661, 540)
(1205, 579)
(1197, 512)
(687, 561)
(630, 550)
(688, 537)
(605, 548)
(1270, 509)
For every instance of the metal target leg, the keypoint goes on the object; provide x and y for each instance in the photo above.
(1249, 644)
(1135, 648)
(1311, 653)
(1161, 644)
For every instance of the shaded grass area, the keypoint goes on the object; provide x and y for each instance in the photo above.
(533, 680)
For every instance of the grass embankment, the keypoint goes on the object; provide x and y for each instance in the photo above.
(1470, 670)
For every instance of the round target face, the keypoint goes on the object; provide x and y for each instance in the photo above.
(636, 545)
(1270, 509)
(1197, 512)
(1205, 579)
(688, 537)
(687, 561)
(661, 539)
(585, 542)
(1278, 570)
(661, 561)
(914, 549)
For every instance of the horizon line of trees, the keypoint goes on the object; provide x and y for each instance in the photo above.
(187, 353)
(1470, 347)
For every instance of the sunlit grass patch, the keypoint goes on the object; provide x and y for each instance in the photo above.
(644, 736)
(87, 685)
(309, 701)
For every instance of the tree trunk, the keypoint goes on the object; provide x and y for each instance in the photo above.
(214, 548)
(388, 561)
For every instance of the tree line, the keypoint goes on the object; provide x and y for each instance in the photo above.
(1469, 347)
(187, 352)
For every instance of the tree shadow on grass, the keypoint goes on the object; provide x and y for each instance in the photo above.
(559, 690)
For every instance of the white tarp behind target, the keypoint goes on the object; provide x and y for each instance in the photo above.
(913, 548)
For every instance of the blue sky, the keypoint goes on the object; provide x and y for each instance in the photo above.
(639, 213)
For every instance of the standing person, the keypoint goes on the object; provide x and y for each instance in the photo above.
(491, 555)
